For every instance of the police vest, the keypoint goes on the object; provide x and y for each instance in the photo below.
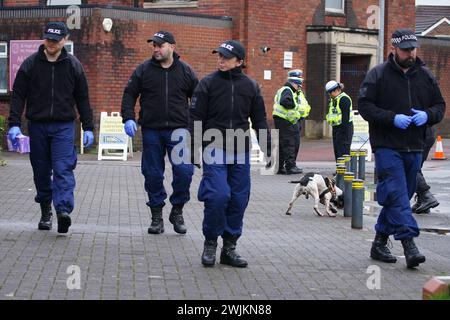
(334, 116)
(291, 115)
(303, 106)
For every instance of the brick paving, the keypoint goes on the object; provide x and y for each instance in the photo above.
(302, 256)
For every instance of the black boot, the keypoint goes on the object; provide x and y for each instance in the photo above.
(229, 256)
(64, 222)
(209, 253)
(418, 202)
(298, 169)
(157, 225)
(281, 169)
(412, 254)
(294, 170)
(428, 201)
(380, 251)
(46, 216)
(176, 218)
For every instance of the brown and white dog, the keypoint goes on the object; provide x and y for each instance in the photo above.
(323, 190)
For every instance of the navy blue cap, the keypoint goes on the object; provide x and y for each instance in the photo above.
(55, 31)
(162, 36)
(230, 49)
(404, 39)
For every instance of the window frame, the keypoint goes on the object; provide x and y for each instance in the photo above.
(170, 4)
(334, 10)
(4, 55)
(69, 44)
(79, 2)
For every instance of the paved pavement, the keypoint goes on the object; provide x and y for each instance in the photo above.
(302, 256)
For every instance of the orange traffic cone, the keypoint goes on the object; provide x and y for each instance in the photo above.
(439, 153)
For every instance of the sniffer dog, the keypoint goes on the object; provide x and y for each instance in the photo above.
(321, 189)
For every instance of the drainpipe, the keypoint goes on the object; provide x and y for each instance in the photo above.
(381, 32)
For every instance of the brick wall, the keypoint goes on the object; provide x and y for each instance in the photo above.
(399, 14)
(110, 58)
(436, 54)
(280, 25)
(23, 3)
(119, 53)
(129, 3)
(442, 29)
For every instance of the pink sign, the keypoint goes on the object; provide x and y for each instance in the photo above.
(20, 50)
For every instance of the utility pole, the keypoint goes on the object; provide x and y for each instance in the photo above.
(381, 33)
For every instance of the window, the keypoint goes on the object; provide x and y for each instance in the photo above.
(170, 3)
(336, 6)
(62, 2)
(3, 67)
(69, 47)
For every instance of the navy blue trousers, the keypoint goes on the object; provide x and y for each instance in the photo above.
(397, 173)
(225, 191)
(156, 144)
(52, 153)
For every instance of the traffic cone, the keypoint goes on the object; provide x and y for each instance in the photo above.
(439, 153)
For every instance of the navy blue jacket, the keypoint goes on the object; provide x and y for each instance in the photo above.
(387, 91)
(50, 90)
(226, 100)
(164, 94)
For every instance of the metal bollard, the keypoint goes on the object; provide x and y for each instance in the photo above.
(348, 179)
(354, 161)
(340, 160)
(357, 204)
(347, 161)
(362, 164)
(340, 171)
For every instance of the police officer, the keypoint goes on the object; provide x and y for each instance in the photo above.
(399, 98)
(223, 102)
(286, 115)
(49, 83)
(340, 117)
(165, 84)
(424, 198)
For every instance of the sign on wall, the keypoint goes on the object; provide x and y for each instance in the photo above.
(20, 50)
(288, 57)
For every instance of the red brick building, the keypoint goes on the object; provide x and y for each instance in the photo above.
(433, 28)
(327, 39)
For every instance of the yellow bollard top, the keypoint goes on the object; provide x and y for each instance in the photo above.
(349, 176)
(358, 184)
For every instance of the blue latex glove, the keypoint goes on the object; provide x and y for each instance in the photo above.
(88, 139)
(12, 135)
(130, 128)
(402, 121)
(420, 117)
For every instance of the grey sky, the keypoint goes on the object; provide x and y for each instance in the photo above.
(433, 2)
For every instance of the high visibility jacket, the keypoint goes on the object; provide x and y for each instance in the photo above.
(291, 115)
(334, 116)
(303, 106)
